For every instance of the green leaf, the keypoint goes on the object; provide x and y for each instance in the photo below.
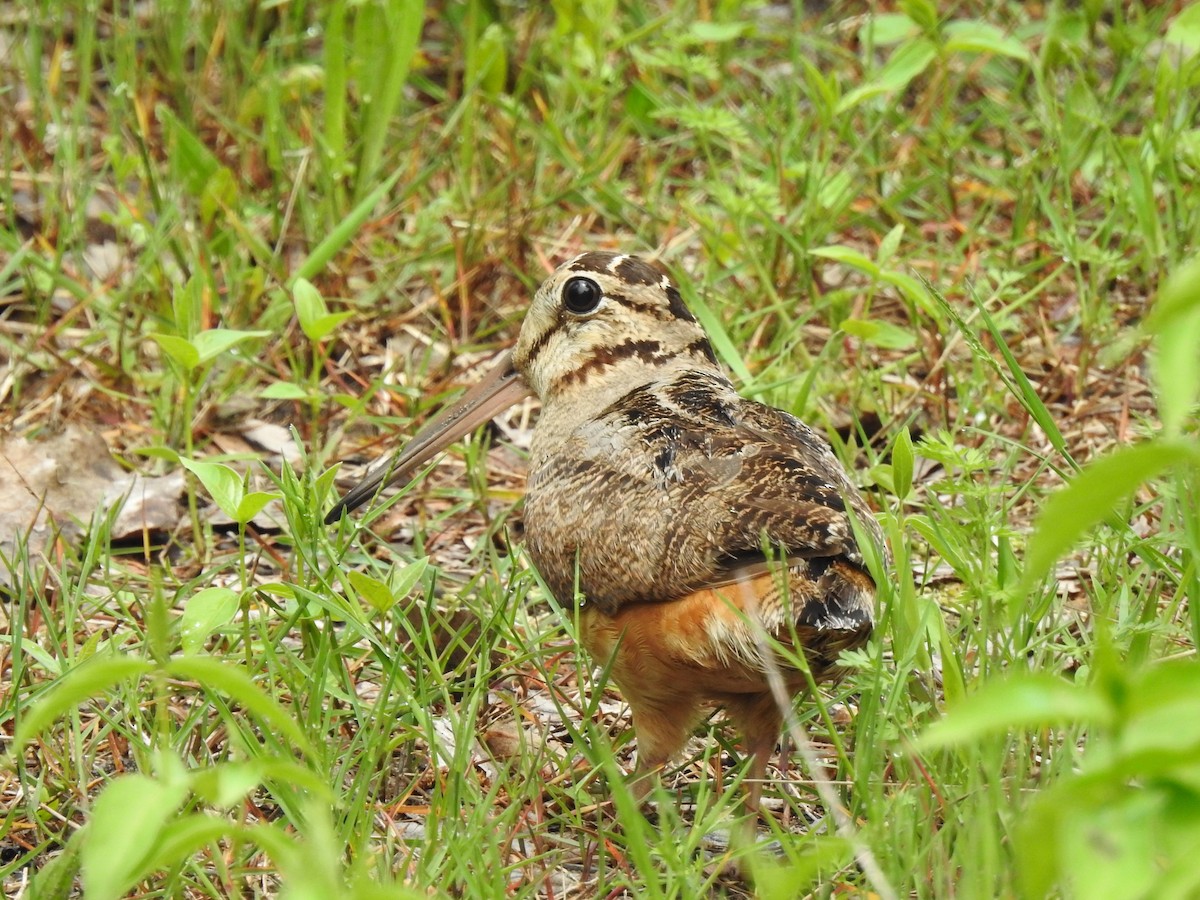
(193, 163)
(310, 305)
(87, 680)
(923, 12)
(716, 32)
(226, 784)
(1111, 849)
(1175, 321)
(974, 36)
(786, 880)
(234, 682)
(182, 838)
(1091, 497)
(386, 40)
(889, 245)
(283, 390)
(848, 257)
(1025, 701)
(254, 503)
(886, 29)
(1184, 29)
(902, 464)
(187, 306)
(489, 62)
(879, 333)
(345, 229)
(334, 605)
(179, 349)
(124, 828)
(222, 483)
(374, 591)
(719, 336)
(914, 292)
(407, 577)
(205, 612)
(212, 343)
(316, 321)
(906, 63)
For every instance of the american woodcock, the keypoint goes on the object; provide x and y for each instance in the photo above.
(656, 494)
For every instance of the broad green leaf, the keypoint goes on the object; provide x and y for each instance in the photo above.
(848, 257)
(179, 349)
(335, 606)
(85, 681)
(1025, 701)
(324, 482)
(310, 305)
(205, 612)
(879, 333)
(254, 503)
(889, 245)
(906, 63)
(316, 321)
(187, 306)
(222, 483)
(913, 291)
(125, 826)
(283, 390)
(972, 35)
(1175, 321)
(886, 29)
(327, 325)
(226, 784)
(1091, 497)
(212, 343)
(953, 683)
(1184, 29)
(232, 681)
(835, 191)
(716, 32)
(187, 835)
(787, 880)
(489, 62)
(909, 61)
(408, 577)
(193, 163)
(923, 12)
(1111, 849)
(374, 591)
(386, 40)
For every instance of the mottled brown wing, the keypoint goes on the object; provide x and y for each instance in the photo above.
(675, 487)
(751, 473)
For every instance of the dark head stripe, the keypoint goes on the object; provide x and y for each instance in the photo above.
(596, 261)
(675, 301)
(601, 358)
(637, 271)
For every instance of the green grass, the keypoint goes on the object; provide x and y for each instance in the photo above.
(941, 237)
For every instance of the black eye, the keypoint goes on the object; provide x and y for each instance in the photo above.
(581, 295)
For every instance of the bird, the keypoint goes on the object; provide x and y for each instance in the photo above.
(682, 520)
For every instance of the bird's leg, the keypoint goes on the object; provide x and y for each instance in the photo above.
(662, 730)
(759, 719)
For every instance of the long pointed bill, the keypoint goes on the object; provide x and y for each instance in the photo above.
(500, 389)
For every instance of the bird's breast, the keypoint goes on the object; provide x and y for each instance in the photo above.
(598, 519)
